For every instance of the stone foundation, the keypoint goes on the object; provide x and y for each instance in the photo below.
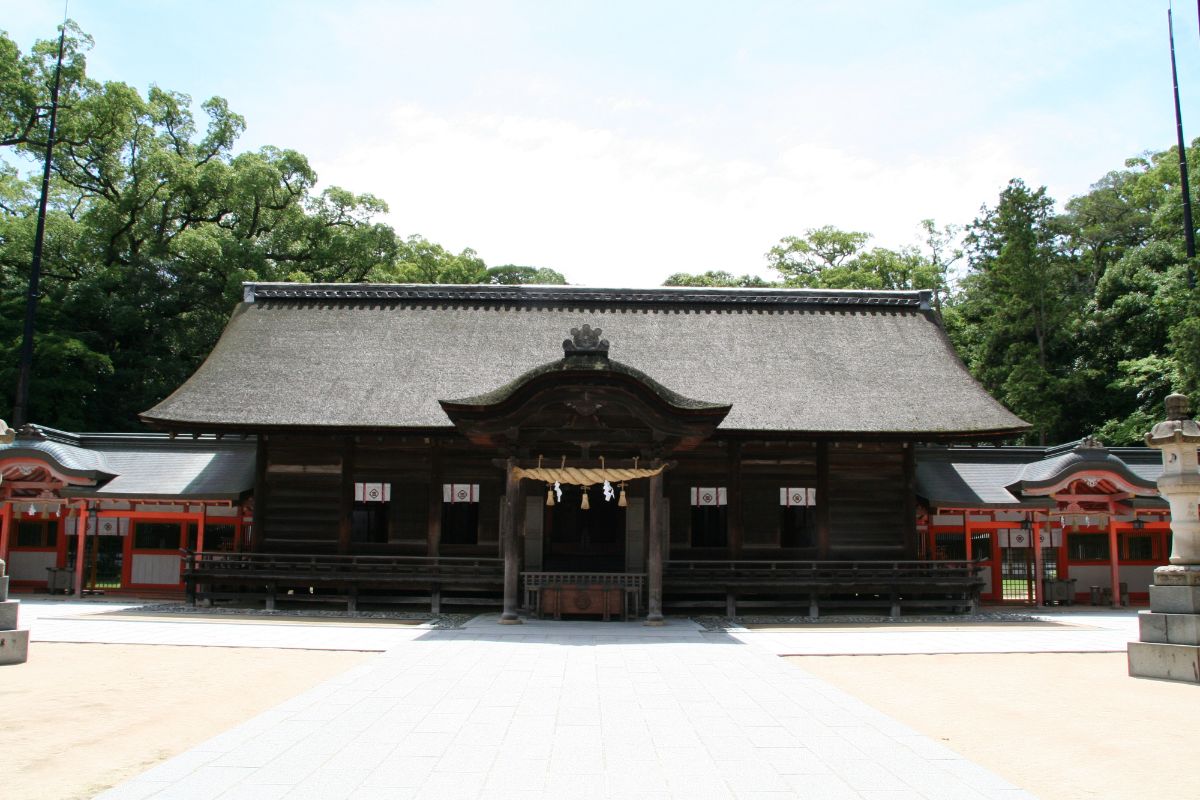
(1170, 631)
(14, 644)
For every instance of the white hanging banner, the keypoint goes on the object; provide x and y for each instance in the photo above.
(372, 492)
(1019, 537)
(797, 496)
(709, 496)
(460, 492)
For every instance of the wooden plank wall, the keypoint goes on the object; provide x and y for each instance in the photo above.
(868, 499)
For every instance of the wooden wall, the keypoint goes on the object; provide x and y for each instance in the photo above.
(865, 491)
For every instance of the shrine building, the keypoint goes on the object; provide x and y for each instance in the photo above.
(577, 451)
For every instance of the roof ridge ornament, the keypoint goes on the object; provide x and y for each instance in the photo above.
(30, 431)
(1090, 442)
(585, 341)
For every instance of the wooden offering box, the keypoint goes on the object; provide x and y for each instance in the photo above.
(583, 600)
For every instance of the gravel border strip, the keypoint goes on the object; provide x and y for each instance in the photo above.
(719, 623)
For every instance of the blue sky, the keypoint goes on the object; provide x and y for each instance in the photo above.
(619, 142)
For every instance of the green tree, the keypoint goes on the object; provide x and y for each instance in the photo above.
(419, 260)
(153, 224)
(802, 260)
(717, 278)
(511, 274)
(1017, 306)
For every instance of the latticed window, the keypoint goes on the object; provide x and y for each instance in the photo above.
(1087, 546)
(37, 533)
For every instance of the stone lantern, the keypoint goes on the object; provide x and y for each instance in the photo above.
(1170, 631)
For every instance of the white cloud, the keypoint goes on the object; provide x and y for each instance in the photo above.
(609, 208)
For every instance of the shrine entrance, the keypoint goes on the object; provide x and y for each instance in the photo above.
(557, 424)
(584, 539)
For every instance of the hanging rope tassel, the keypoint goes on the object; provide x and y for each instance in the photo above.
(549, 495)
(584, 505)
(621, 501)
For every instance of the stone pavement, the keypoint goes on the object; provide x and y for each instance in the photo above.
(545, 709)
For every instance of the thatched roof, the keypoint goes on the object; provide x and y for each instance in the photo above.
(380, 357)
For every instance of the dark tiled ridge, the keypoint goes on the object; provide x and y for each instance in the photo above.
(558, 296)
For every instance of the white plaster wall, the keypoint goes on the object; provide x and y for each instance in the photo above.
(986, 574)
(155, 569)
(1139, 577)
(30, 566)
(1091, 575)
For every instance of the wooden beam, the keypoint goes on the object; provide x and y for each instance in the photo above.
(823, 516)
(5, 529)
(1114, 557)
(434, 522)
(261, 496)
(910, 501)
(346, 506)
(736, 528)
(80, 546)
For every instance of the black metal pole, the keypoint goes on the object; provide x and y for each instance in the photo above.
(1189, 231)
(20, 409)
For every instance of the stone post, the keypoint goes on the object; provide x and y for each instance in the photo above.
(14, 644)
(1170, 631)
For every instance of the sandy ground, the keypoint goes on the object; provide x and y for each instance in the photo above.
(1062, 725)
(79, 718)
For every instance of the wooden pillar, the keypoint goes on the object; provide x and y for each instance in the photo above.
(434, 522)
(200, 520)
(654, 551)
(735, 500)
(346, 511)
(1039, 588)
(1114, 559)
(910, 501)
(508, 543)
(967, 534)
(261, 496)
(5, 530)
(80, 546)
(823, 527)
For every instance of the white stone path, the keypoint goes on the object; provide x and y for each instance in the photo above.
(571, 710)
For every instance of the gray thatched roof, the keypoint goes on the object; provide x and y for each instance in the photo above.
(371, 356)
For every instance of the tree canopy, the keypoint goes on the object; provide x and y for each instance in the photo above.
(154, 221)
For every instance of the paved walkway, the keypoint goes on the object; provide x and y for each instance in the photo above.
(571, 710)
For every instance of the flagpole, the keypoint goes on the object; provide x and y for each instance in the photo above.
(1189, 232)
(20, 408)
